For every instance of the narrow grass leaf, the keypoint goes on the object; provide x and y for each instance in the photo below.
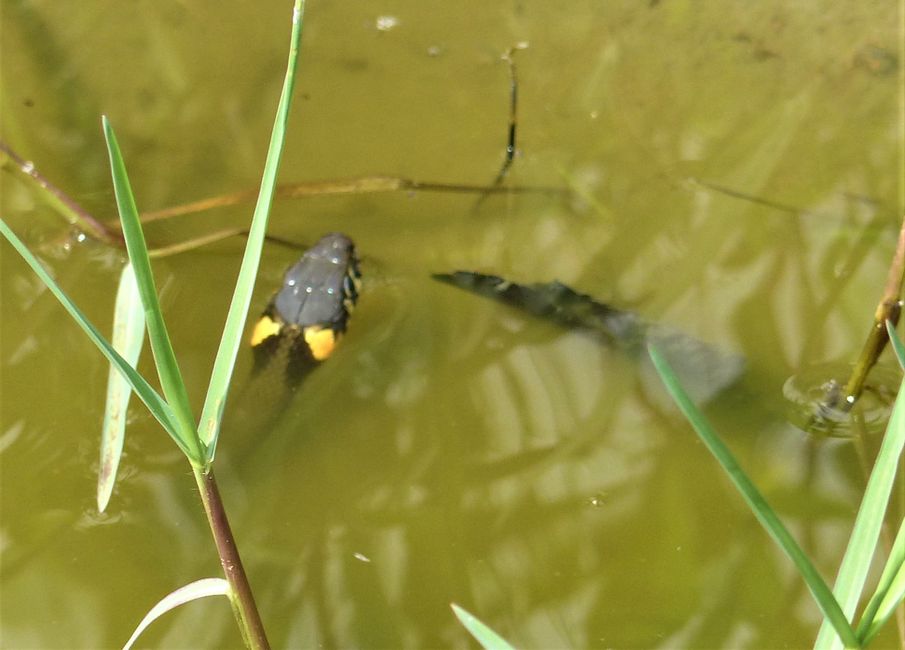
(215, 401)
(488, 639)
(889, 593)
(756, 501)
(155, 403)
(193, 591)
(167, 368)
(893, 598)
(128, 336)
(863, 542)
(897, 345)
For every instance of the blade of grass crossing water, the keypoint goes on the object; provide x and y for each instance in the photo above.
(484, 635)
(863, 542)
(164, 357)
(866, 532)
(128, 336)
(215, 401)
(897, 346)
(758, 504)
(888, 605)
(889, 593)
(155, 403)
(203, 588)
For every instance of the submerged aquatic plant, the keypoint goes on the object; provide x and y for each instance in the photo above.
(172, 409)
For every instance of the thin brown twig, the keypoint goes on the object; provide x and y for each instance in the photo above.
(360, 185)
(509, 58)
(196, 242)
(888, 309)
(71, 210)
(219, 235)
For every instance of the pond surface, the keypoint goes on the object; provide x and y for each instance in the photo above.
(734, 171)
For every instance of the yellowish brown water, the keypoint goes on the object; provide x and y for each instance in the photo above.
(453, 450)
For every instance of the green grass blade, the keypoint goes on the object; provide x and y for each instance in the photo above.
(889, 593)
(488, 639)
(155, 403)
(203, 588)
(863, 542)
(128, 336)
(897, 346)
(215, 401)
(167, 368)
(756, 501)
(891, 601)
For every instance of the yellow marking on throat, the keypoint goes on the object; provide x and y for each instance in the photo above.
(321, 341)
(264, 329)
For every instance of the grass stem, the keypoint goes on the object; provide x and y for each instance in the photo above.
(244, 606)
(889, 308)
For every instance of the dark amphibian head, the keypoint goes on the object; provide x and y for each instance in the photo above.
(307, 316)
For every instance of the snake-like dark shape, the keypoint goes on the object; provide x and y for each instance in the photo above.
(307, 316)
(704, 370)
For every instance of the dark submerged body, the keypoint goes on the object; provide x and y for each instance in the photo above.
(315, 300)
(704, 371)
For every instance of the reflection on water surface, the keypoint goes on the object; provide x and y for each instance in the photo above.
(452, 450)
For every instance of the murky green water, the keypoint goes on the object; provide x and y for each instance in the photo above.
(454, 450)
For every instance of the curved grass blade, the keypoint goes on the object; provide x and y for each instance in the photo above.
(488, 639)
(897, 346)
(193, 591)
(167, 368)
(890, 592)
(756, 501)
(215, 401)
(128, 336)
(155, 403)
(863, 542)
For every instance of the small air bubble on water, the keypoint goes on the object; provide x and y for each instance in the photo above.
(386, 23)
(28, 167)
(361, 557)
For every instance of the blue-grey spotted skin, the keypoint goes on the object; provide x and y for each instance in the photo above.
(320, 287)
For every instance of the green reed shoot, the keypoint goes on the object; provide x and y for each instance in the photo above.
(128, 337)
(838, 607)
(173, 410)
(482, 633)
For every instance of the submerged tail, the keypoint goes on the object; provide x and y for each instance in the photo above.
(704, 370)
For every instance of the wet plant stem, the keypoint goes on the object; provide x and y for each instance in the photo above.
(889, 308)
(242, 599)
